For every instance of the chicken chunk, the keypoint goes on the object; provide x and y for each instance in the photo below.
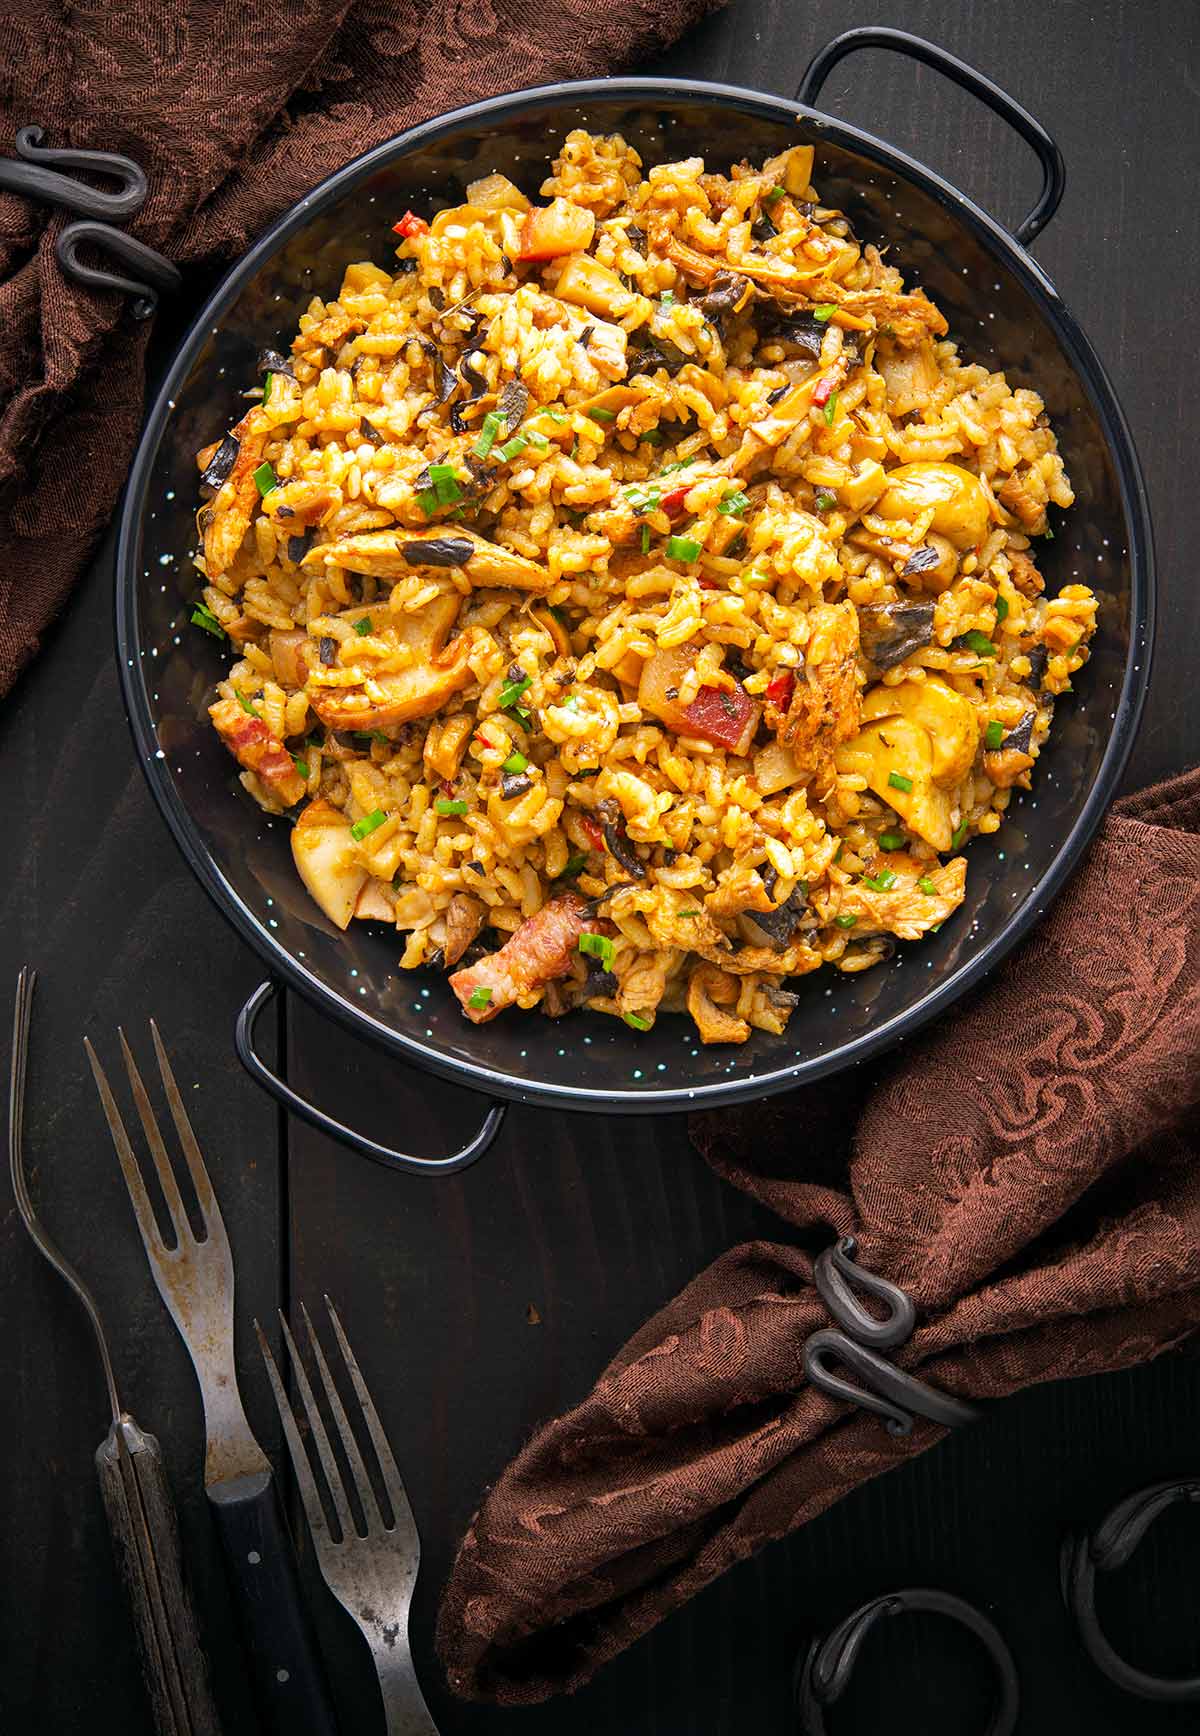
(435, 673)
(540, 951)
(227, 518)
(390, 554)
(822, 710)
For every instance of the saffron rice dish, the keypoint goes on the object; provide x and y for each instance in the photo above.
(633, 594)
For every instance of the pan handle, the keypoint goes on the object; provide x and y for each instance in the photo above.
(283, 1093)
(1054, 174)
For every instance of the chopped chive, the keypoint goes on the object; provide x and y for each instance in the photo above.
(689, 913)
(1048, 534)
(599, 414)
(831, 409)
(891, 840)
(667, 298)
(597, 946)
(444, 806)
(370, 823)
(683, 548)
(441, 473)
(512, 691)
(301, 765)
(979, 643)
(925, 885)
(267, 384)
(538, 441)
(898, 781)
(678, 464)
(845, 921)
(516, 762)
(734, 503)
(637, 1021)
(202, 616)
(244, 702)
(774, 196)
(993, 735)
(523, 717)
(574, 453)
(427, 500)
(363, 627)
(551, 416)
(652, 437)
(645, 543)
(825, 502)
(960, 832)
(492, 424)
(366, 736)
(264, 477)
(516, 445)
(479, 1000)
(1001, 609)
(575, 865)
(879, 882)
(825, 311)
(445, 484)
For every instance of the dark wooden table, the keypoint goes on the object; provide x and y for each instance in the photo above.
(479, 1306)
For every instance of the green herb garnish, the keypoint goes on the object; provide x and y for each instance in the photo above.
(479, 1000)
(898, 781)
(845, 921)
(512, 691)
(979, 643)
(683, 548)
(444, 806)
(891, 840)
(645, 541)
(599, 414)
(363, 627)
(575, 865)
(831, 410)
(825, 502)
(244, 702)
(264, 477)
(301, 765)
(515, 446)
(597, 946)
(925, 885)
(993, 735)
(774, 196)
(445, 484)
(637, 1021)
(538, 441)
(552, 416)
(370, 823)
(652, 437)
(825, 311)
(202, 616)
(678, 464)
(516, 762)
(734, 503)
(427, 500)
(879, 882)
(493, 422)
(267, 384)
(959, 833)
(666, 299)
(1001, 609)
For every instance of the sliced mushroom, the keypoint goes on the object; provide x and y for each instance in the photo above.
(464, 919)
(328, 861)
(890, 632)
(917, 743)
(389, 554)
(959, 505)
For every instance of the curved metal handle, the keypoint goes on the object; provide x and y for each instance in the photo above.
(33, 178)
(824, 1674)
(257, 1068)
(1054, 174)
(1110, 1546)
(157, 273)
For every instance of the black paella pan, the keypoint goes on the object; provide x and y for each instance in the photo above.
(1002, 309)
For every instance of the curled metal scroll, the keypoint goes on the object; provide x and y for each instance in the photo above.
(1110, 1546)
(824, 1674)
(858, 1340)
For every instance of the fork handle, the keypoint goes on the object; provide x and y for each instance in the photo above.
(289, 1682)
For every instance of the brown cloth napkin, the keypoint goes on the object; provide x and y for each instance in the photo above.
(234, 111)
(1027, 1172)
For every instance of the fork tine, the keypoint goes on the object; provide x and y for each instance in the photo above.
(143, 1211)
(210, 1211)
(392, 1481)
(158, 1151)
(324, 1451)
(307, 1483)
(366, 1493)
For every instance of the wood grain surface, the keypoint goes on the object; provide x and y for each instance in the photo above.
(480, 1305)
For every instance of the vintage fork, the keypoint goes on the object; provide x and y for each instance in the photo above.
(195, 1280)
(371, 1572)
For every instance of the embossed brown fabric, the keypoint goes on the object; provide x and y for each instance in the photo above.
(234, 111)
(1028, 1172)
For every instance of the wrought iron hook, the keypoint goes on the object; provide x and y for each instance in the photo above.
(36, 180)
(158, 273)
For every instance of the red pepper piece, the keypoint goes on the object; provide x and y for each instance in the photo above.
(594, 831)
(672, 504)
(410, 224)
(780, 689)
(824, 390)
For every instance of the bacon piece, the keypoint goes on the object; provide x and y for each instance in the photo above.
(253, 746)
(540, 951)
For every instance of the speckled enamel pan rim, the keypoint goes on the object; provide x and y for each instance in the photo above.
(614, 1098)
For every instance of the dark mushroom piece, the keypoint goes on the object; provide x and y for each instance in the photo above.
(271, 362)
(446, 384)
(513, 404)
(617, 839)
(777, 926)
(920, 561)
(1038, 656)
(1022, 735)
(216, 472)
(725, 295)
(890, 632)
(439, 551)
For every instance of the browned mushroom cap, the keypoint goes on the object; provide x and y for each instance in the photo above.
(389, 554)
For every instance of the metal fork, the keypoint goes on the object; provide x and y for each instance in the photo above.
(371, 1572)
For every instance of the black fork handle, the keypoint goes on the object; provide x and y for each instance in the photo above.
(290, 1689)
(1054, 174)
(252, 1061)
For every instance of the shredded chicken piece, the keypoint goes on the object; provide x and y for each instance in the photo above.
(464, 919)
(903, 910)
(1031, 514)
(1024, 574)
(390, 554)
(825, 704)
(227, 518)
(710, 990)
(540, 950)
